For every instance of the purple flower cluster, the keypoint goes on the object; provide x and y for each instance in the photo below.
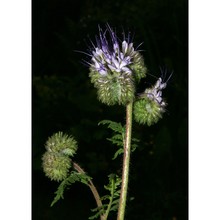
(155, 93)
(108, 55)
(115, 68)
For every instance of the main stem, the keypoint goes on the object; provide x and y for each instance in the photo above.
(126, 161)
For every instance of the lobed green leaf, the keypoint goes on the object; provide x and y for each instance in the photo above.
(64, 185)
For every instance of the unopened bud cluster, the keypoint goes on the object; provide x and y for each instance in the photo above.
(150, 106)
(56, 160)
(115, 68)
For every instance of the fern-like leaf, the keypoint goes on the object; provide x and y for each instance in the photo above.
(115, 126)
(113, 197)
(118, 137)
(117, 153)
(65, 184)
(98, 212)
(114, 188)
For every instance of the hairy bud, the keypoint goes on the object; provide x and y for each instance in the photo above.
(147, 111)
(56, 160)
(56, 166)
(150, 106)
(61, 143)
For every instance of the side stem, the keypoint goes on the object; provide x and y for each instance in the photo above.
(126, 161)
(92, 188)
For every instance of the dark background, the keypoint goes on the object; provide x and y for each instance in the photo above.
(65, 100)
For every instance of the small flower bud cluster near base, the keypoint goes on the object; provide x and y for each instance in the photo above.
(150, 105)
(56, 160)
(115, 68)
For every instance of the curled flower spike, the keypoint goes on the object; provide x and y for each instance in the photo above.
(150, 107)
(61, 143)
(56, 160)
(56, 166)
(115, 67)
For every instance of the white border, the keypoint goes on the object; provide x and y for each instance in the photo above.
(15, 109)
(204, 110)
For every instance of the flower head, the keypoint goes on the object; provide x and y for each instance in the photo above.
(149, 108)
(115, 67)
(155, 93)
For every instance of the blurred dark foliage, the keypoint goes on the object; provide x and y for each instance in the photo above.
(65, 100)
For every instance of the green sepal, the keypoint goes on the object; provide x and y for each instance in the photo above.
(113, 88)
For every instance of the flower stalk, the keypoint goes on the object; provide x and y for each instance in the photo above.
(92, 188)
(126, 161)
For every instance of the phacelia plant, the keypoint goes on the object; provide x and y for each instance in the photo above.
(116, 68)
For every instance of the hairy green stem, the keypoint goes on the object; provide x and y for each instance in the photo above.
(126, 161)
(92, 188)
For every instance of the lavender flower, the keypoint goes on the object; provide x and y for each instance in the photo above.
(149, 108)
(155, 93)
(115, 68)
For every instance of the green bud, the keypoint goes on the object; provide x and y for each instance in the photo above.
(138, 67)
(61, 143)
(56, 166)
(115, 88)
(56, 160)
(147, 111)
